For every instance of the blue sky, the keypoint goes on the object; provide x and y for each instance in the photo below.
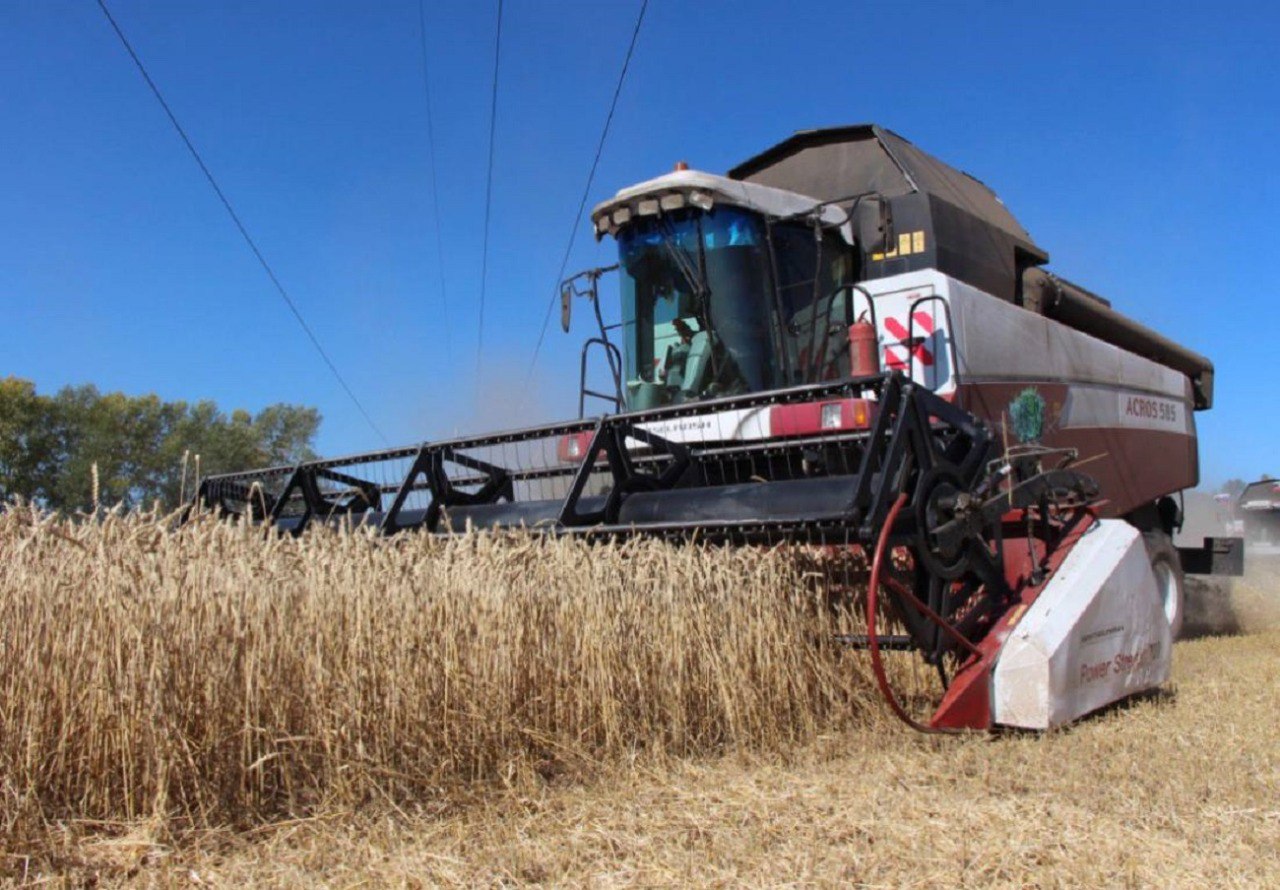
(1137, 143)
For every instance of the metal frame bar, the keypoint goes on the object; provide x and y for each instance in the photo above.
(911, 343)
(615, 367)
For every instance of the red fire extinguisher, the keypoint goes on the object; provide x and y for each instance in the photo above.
(864, 350)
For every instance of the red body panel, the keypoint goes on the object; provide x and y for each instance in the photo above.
(1132, 466)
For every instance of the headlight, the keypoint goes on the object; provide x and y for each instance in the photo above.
(832, 416)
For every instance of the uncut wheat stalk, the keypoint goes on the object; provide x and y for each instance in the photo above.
(216, 675)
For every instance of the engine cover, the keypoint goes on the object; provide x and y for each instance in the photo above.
(1096, 634)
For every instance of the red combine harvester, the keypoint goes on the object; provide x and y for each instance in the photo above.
(849, 346)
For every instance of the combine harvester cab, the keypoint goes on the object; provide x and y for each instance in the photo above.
(847, 346)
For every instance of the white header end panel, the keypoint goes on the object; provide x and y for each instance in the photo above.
(1096, 634)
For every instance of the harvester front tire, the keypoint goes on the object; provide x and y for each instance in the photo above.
(1167, 567)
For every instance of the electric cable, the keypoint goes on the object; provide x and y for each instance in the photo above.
(586, 193)
(235, 218)
(435, 188)
(488, 192)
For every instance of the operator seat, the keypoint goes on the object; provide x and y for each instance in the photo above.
(695, 366)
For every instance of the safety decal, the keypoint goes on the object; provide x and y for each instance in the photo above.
(896, 357)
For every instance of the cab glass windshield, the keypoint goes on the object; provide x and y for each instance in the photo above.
(695, 307)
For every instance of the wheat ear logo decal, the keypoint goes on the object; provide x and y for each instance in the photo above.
(1026, 412)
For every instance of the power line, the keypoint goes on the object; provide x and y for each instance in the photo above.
(235, 218)
(488, 191)
(435, 188)
(586, 192)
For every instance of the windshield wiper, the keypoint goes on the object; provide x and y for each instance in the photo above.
(695, 276)
(683, 262)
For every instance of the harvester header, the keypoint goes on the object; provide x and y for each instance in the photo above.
(848, 347)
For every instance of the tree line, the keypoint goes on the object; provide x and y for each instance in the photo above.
(49, 444)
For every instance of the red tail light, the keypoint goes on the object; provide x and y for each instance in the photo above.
(814, 417)
(571, 449)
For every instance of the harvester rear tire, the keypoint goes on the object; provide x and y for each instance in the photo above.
(1167, 567)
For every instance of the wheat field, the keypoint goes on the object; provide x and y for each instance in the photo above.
(215, 676)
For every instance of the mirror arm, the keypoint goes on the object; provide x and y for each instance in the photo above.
(569, 288)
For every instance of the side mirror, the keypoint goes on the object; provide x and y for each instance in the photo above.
(566, 305)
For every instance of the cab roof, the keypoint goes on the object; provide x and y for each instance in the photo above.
(695, 188)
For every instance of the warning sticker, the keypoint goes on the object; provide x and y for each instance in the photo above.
(907, 244)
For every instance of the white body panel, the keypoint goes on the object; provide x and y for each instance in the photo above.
(1096, 634)
(915, 304)
(995, 340)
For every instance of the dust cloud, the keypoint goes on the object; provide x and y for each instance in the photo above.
(1221, 606)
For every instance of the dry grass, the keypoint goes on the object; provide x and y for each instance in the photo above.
(1178, 790)
(208, 677)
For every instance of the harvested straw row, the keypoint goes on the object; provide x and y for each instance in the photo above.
(215, 677)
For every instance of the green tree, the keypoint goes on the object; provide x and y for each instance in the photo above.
(49, 446)
(123, 436)
(220, 443)
(285, 432)
(26, 440)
